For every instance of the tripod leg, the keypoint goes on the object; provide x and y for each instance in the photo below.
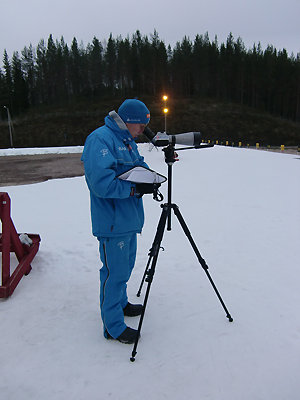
(201, 260)
(149, 273)
(144, 276)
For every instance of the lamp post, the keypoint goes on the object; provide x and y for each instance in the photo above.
(165, 98)
(9, 126)
(166, 111)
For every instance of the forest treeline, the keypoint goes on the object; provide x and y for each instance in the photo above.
(55, 73)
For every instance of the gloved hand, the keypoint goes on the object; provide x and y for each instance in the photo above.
(145, 188)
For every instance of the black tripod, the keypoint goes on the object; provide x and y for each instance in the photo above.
(156, 246)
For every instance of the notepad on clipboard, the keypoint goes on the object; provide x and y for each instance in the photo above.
(142, 175)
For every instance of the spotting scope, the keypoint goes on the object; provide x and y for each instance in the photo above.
(162, 139)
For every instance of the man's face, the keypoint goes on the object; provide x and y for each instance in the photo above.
(135, 129)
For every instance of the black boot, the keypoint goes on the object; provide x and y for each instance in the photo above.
(132, 310)
(128, 336)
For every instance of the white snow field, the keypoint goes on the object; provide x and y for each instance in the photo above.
(242, 207)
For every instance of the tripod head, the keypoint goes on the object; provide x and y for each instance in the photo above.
(170, 154)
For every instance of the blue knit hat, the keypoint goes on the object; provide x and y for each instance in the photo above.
(134, 111)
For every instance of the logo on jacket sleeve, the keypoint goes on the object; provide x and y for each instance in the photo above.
(121, 245)
(104, 152)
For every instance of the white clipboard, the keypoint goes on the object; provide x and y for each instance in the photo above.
(142, 175)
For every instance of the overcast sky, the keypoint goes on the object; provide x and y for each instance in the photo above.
(267, 21)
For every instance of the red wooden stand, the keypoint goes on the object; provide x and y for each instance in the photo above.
(10, 242)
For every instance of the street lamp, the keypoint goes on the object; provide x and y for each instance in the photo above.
(9, 126)
(166, 111)
(165, 98)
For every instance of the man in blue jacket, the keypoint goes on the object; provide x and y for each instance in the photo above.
(116, 210)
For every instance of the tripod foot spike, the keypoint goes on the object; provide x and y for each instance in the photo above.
(132, 359)
(230, 318)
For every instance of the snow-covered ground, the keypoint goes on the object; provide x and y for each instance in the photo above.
(41, 150)
(243, 209)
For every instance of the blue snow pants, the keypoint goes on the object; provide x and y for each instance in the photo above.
(118, 256)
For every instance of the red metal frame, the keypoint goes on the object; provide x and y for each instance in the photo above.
(10, 242)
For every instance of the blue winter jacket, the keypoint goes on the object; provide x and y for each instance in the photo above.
(108, 152)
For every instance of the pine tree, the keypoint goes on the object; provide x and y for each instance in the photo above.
(159, 65)
(200, 64)
(2, 95)
(227, 68)
(42, 78)
(123, 66)
(19, 89)
(29, 73)
(66, 68)
(239, 59)
(75, 69)
(269, 78)
(110, 64)
(95, 67)
(214, 68)
(51, 59)
(137, 75)
(7, 82)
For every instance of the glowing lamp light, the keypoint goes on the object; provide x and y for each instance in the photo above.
(165, 98)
